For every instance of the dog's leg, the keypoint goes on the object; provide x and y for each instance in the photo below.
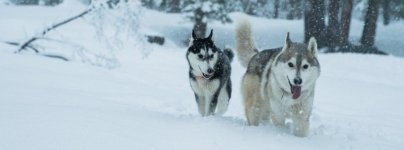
(223, 99)
(301, 126)
(200, 101)
(301, 120)
(277, 116)
(278, 120)
(265, 112)
(251, 95)
(253, 114)
(213, 104)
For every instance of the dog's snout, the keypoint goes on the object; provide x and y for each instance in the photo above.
(210, 70)
(297, 81)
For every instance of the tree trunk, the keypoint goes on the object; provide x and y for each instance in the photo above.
(333, 24)
(386, 12)
(345, 22)
(200, 24)
(369, 29)
(276, 8)
(174, 6)
(314, 21)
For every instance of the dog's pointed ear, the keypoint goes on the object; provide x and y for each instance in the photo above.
(288, 42)
(193, 35)
(192, 38)
(312, 46)
(210, 35)
(191, 41)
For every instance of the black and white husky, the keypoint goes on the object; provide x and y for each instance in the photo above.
(209, 75)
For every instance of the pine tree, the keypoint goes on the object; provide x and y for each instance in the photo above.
(202, 11)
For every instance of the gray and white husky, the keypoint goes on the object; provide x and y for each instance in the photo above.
(279, 83)
(209, 75)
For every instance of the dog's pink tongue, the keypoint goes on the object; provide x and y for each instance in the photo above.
(296, 91)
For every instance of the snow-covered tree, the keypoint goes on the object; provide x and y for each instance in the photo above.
(256, 7)
(203, 11)
(117, 26)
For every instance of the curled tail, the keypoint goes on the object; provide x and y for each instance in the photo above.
(245, 43)
(229, 53)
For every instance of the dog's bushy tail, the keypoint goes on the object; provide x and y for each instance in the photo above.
(245, 43)
(229, 53)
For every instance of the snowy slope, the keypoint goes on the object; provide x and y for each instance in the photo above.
(148, 104)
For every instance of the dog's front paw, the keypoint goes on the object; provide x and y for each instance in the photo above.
(301, 127)
(301, 131)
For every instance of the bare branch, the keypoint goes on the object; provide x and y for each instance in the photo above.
(27, 43)
(18, 44)
(55, 56)
(37, 51)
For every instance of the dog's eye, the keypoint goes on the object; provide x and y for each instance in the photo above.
(200, 56)
(305, 66)
(210, 56)
(290, 65)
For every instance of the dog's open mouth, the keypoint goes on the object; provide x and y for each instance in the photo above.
(207, 76)
(295, 90)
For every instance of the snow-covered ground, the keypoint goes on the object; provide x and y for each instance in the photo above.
(146, 103)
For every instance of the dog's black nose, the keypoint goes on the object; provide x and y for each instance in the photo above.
(297, 81)
(210, 71)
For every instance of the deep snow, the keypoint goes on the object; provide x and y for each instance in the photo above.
(148, 104)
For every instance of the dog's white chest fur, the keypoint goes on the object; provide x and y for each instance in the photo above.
(205, 87)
